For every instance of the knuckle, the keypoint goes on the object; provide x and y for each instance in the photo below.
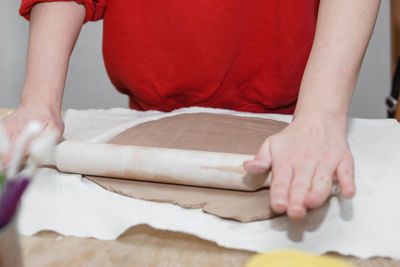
(324, 181)
(308, 155)
(326, 157)
(318, 195)
(279, 187)
(348, 172)
(300, 183)
(279, 165)
(348, 156)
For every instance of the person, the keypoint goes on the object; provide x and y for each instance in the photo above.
(301, 57)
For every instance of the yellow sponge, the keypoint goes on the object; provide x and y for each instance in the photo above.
(294, 258)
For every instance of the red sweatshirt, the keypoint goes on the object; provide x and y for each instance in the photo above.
(246, 55)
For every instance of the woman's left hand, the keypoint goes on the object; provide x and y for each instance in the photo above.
(305, 158)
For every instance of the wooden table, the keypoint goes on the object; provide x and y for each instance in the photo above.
(141, 246)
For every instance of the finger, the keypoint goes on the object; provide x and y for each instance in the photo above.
(281, 179)
(262, 160)
(345, 175)
(321, 185)
(299, 187)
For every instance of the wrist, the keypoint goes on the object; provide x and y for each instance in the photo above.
(43, 99)
(36, 104)
(330, 119)
(313, 108)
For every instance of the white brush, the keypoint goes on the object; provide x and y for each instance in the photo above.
(40, 152)
(4, 144)
(32, 130)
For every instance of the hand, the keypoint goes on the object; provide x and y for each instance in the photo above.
(15, 123)
(54, 29)
(305, 158)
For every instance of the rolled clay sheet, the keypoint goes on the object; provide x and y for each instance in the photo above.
(200, 132)
(166, 165)
(242, 206)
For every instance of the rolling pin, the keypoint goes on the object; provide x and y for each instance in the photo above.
(164, 165)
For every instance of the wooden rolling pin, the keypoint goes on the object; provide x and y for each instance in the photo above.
(186, 167)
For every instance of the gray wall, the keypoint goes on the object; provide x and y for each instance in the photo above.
(374, 82)
(88, 85)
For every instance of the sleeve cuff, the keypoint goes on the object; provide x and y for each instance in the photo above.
(27, 5)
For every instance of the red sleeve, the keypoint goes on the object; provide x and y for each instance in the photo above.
(94, 8)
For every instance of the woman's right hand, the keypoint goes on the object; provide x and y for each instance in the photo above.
(15, 123)
(54, 29)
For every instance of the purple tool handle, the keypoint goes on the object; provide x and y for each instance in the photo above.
(12, 193)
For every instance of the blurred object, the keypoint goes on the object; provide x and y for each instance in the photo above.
(294, 258)
(10, 248)
(13, 190)
(392, 100)
(14, 185)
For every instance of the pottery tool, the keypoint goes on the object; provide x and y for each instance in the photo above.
(16, 183)
(32, 130)
(13, 190)
(176, 166)
(40, 150)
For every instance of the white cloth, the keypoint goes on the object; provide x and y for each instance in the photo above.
(364, 227)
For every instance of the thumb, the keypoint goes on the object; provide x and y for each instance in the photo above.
(261, 162)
